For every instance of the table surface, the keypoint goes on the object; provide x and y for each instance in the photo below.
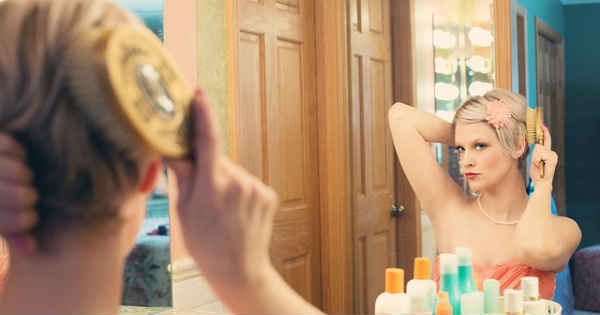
(135, 310)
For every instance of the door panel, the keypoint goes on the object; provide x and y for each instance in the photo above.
(250, 133)
(376, 19)
(288, 167)
(379, 108)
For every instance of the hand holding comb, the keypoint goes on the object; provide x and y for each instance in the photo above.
(535, 133)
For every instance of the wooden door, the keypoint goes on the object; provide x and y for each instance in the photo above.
(374, 230)
(275, 128)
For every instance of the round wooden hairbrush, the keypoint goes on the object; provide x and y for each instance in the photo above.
(539, 137)
(535, 133)
(128, 70)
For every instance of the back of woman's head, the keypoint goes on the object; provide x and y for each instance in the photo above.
(82, 173)
(514, 133)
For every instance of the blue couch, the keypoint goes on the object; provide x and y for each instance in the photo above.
(147, 280)
(578, 286)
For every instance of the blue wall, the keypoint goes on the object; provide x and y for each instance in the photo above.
(582, 118)
(552, 13)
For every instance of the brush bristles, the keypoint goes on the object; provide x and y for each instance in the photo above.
(103, 73)
(531, 118)
(90, 88)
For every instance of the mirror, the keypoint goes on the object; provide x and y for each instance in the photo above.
(463, 42)
(147, 280)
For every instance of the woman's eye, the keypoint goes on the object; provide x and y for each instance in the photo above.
(480, 146)
(460, 149)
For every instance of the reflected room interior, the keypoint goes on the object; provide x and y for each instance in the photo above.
(147, 279)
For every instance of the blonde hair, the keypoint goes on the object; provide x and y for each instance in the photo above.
(82, 175)
(514, 133)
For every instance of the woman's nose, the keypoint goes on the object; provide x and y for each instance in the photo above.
(466, 160)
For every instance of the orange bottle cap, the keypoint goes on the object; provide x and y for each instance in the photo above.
(394, 280)
(422, 268)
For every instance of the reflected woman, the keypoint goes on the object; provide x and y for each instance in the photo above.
(511, 234)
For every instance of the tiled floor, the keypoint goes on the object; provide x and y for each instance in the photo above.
(196, 295)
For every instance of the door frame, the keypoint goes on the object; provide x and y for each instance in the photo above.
(503, 44)
(334, 152)
(520, 71)
(558, 113)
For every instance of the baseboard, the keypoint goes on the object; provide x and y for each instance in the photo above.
(184, 269)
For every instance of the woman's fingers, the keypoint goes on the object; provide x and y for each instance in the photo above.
(22, 243)
(550, 159)
(547, 138)
(9, 147)
(14, 170)
(16, 221)
(207, 143)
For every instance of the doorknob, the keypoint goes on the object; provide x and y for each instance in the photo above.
(397, 211)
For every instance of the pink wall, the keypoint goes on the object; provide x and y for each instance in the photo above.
(179, 20)
(179, 23)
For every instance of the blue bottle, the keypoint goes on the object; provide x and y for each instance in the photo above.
(466, 284)
(449, 280)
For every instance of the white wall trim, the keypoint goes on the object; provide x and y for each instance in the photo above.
(184, 269)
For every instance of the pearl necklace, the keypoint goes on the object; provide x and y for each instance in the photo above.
(492, 219)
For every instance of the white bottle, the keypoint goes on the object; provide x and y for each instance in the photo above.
(513, 302)
(491, 293)
(531, 289)
(471, 303)
(535, 308)
(531, 296)
(393, 300)
(500, 306)
(422, 289)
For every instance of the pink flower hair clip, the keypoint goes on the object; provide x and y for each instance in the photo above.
(498, 114)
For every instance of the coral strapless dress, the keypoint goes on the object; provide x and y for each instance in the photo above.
(509, 275)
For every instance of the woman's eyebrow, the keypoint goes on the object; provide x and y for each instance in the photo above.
(476, 140)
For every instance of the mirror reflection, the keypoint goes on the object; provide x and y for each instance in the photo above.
(463, 46)
(147, 281)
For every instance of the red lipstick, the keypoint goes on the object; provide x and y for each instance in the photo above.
(471, 175)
